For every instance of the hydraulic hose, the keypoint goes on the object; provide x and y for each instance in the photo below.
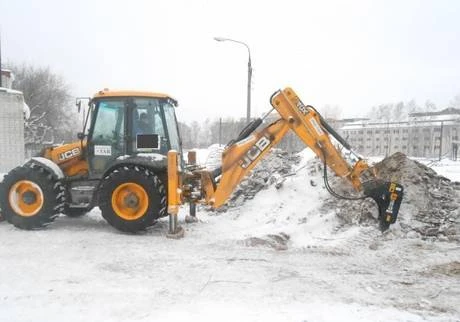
(328, 187)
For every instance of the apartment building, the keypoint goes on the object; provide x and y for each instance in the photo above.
(430, 134)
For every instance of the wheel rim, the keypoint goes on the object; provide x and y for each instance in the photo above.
(26, 198)
(130, 201)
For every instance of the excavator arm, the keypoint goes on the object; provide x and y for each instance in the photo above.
(243, 154)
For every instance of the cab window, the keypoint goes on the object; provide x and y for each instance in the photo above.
(109, 126)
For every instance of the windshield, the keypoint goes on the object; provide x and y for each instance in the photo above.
(110, 121)
(171, 124)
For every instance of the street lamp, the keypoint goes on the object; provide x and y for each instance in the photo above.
(248, 111)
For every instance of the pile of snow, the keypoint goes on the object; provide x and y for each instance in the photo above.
(447, 168)
(211, 157)
(283, 216)
(301, 213)
(214, 156)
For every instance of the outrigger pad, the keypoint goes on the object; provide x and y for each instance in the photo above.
(388, 196)
(177, 234)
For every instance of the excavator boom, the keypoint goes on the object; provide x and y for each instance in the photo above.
(243, 154)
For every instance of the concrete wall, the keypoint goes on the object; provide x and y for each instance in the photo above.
(11, 129)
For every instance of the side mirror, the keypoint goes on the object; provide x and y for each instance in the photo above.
(78, 103)
(81, 135)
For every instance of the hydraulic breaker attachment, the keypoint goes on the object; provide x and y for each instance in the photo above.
(388, 196)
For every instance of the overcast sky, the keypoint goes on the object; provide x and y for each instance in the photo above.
(355, 54)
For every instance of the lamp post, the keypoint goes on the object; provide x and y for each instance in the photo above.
(248, 111)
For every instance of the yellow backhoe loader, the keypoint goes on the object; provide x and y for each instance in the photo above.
(130, 164)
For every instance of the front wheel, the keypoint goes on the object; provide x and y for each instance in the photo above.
(132, 198)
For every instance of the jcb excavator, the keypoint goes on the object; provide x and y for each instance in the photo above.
(130, 164)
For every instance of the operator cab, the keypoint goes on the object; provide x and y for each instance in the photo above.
(128, 123)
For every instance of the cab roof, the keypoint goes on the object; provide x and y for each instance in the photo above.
(118, 93)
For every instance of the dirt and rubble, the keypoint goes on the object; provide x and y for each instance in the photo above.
(430, 208)
(269, 171)
(432, 202)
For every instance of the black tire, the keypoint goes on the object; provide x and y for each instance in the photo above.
(31, 197)
(76, 212)
(153, 198)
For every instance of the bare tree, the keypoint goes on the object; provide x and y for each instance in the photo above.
(52, 116)
(331, 112)
(398, 112)
(412, 107)
(195, 130)
(455, 102)
(382, 113)
(186, 135)
(430, 106)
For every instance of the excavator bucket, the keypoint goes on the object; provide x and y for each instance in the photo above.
(388, 196)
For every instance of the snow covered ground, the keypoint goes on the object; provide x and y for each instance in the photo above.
(233, 266)
(447, 168)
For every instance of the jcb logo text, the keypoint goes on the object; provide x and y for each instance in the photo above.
(69, 154)
(254, 152)
(302, 108)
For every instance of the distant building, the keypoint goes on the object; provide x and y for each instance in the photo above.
(12, 108)
(429, 134)
(11, 129)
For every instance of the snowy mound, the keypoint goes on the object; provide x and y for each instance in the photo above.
(278, 215)
(211, 157)
(301, 213)
(214, 156)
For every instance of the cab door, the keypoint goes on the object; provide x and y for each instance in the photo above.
(107, 141)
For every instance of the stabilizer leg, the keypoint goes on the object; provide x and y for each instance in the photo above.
(175, 230)
(174, 197)
(191, 218)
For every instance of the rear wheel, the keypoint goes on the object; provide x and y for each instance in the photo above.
(132, 198)
(31, 197)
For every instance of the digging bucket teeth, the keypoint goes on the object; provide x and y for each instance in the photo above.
(388, 196)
